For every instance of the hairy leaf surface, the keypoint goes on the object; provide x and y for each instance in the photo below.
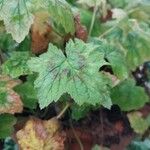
(76, 74)
(114, 56)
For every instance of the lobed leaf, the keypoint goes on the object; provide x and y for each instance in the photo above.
(114, 56)
(45, 135)
(128, 96)
(75, 74)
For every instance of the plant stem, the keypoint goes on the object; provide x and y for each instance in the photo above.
(63, 111)
(93, 19)
(107, 32)
(76, 136)
(102, 127)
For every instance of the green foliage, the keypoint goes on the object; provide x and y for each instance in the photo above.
(88, 75)
(133, 40)
(8, 45)
(128, 96)
(79, 112)
(90, 3)
(114, 56)
(6, 125)
(3, 94)
(118, 3)
(132, 34)
(27, 92)
(76, 74)
(86, 17)
(16, 17)
(16, 65)
(139, 145)
(61, 13)
(98, 147)
(137, 122)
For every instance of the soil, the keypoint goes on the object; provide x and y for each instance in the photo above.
(103, 127)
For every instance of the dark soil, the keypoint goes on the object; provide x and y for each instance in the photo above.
(104, 127)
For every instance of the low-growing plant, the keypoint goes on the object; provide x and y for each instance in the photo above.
(70, 58)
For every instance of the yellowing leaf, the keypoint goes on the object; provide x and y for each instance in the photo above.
(41, 22)
(139, 124)
(59, 11)
(10, 101)
(41, 135)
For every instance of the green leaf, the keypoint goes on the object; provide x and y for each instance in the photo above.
(6, 42)
(27, 92)
(16, 17)
(139, 145)
(129, 96)
(115, 57)
(139, 124)
(133, 39)
(79, 112)
(86, 17)
(16, 65)
(60, 12)
(6, 125)
(90, 3)
(118, 3)
(76, 74)
(137, 43)
(98, 147)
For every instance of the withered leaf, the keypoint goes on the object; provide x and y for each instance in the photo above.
(41, 135)
(10, 101)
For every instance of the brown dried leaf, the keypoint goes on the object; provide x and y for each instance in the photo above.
(81, 31)
(42, 33)
(41, 135)
(39, 33)
(10, 101)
